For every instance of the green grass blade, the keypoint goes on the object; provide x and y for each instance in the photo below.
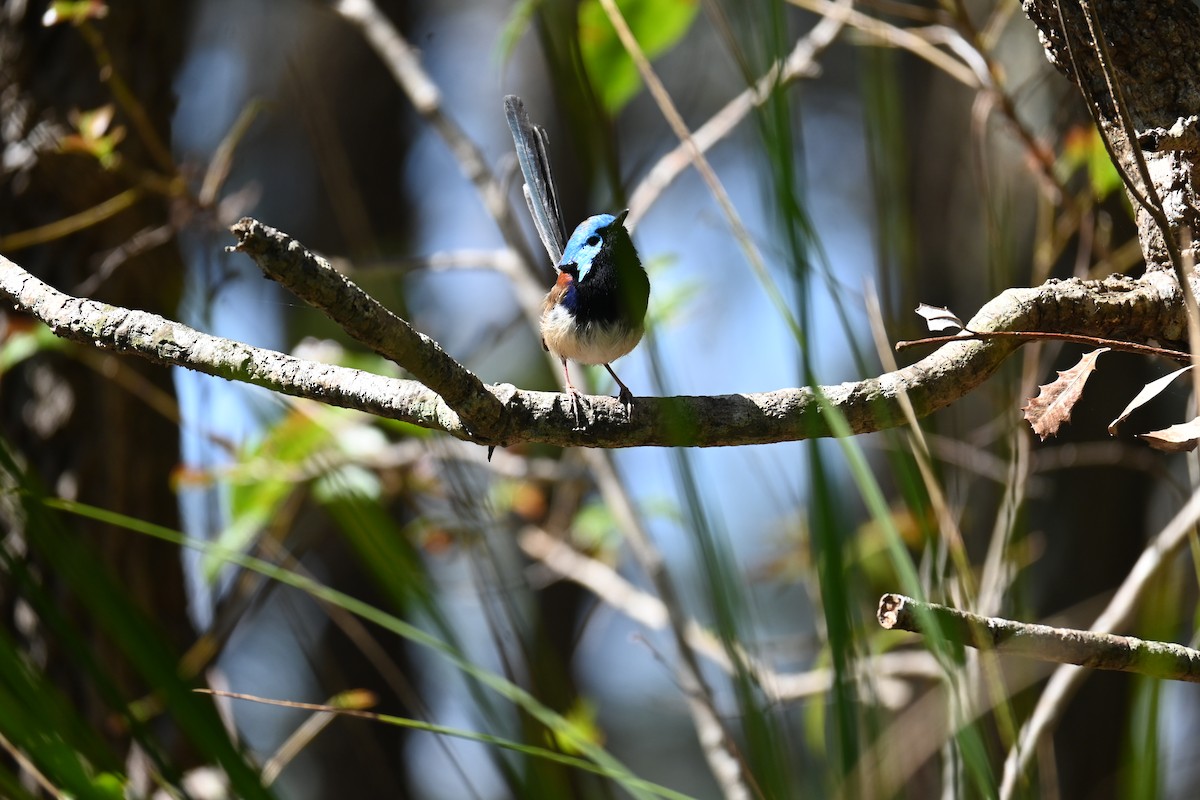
(556, 723)
(135, 637)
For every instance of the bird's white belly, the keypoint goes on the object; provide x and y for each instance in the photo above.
(588, 344)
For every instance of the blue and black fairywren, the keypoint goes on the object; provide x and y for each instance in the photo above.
(596, 311)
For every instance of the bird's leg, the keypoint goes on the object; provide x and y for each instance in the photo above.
(577, 400)
(626, 396)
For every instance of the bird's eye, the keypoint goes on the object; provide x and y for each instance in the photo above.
(593, 240)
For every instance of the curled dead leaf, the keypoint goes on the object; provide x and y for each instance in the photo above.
(1180, 438)
(1149, 392)
(939, 318)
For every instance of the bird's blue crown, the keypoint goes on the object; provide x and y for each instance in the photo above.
(585, 243)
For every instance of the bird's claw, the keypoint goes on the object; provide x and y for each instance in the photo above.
(578, 403)
(580, 406)
(625, 397)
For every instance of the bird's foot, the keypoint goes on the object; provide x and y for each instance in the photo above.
(578, 404)
(626, 399)
(625, 396)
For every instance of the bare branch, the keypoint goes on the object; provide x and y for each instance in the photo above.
(917, 41)
(1119, 612)
(1149, 307)
(164, 341)
(647, 610)
(1043, 642)
(800, 63)
(402, 61)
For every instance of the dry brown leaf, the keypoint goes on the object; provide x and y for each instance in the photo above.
(939, 319)
(1175, 439)
(1051, 409)
(1150, 391)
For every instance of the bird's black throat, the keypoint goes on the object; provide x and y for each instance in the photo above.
(615, 289)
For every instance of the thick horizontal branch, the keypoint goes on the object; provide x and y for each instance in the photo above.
(1117, 307)
(1043, 642)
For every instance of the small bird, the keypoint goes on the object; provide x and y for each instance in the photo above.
(596, 311)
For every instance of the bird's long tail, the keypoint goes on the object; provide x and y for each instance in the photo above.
(540, 192)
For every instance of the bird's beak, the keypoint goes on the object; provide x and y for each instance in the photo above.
(620, 220)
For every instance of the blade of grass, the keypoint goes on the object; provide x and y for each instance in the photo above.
(969, 737)
(384, 551)
(73, 562)
(560, 726)
(443, 730)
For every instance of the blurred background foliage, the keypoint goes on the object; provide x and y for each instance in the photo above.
(507, 619)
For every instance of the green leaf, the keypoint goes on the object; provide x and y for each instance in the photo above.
(674, 298)
(1084, 149)
(582, 714)
(74, 12)
(20, 345)
(656, 24)
(595, 528)
(266, 475)
(110, 785)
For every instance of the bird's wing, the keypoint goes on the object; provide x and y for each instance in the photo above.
(540, 193)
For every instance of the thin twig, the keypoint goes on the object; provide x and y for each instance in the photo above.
(993, 83)
(72, 224)
(1033, 336)
(800, 63)
(222, 160)
(667, 106)
(648, 610)
(300, 738)
(142, 241)
(885, 33)
(401, 59)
